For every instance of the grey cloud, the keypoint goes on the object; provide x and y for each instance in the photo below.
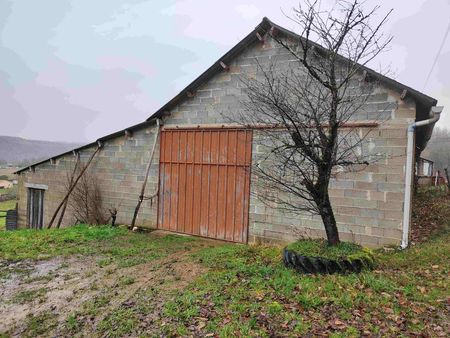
(86, 84)
(12, 114)
(77, 70)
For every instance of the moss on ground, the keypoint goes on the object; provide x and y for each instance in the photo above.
(320, 248)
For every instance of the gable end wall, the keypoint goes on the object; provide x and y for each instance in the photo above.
(368, 204)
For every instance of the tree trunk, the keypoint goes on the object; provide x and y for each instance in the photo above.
(329, 221)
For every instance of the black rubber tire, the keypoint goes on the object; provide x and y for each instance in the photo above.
(318, 265)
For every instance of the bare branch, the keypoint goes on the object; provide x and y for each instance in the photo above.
(314, 97)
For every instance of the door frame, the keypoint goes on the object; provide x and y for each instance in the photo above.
(206, 127)
(32, 194)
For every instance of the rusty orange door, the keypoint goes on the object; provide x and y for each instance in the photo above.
(204, 183)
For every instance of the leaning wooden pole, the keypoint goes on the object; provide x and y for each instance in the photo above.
(63, 211)
(141, 195)
(73, 186)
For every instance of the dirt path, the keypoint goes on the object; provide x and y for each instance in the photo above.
(71, 297)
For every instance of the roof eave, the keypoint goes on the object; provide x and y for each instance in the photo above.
(217, 67)
(101, 139)
(419, 96)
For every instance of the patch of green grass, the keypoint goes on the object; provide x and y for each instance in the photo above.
(320, 248)
(5, 205)
(126, 280)
(28, 296)
(40, 324)
(249, 292)
(4, 190)
(20, 271)
(103, 262)
(72, 324)
(41, 244)
(12, 192)
(119, 323)
(94, 306)
(39, 278)
(432, 191)
(114, 244)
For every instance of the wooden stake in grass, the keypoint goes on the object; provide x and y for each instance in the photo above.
(73, 186)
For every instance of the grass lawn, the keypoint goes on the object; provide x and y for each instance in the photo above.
(116, 244)
(248, 292)
(133, 284)
(6, 205)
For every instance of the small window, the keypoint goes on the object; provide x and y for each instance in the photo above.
(35, 208)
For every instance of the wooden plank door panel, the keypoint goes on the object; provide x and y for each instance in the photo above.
(35, 208)
(205, 182)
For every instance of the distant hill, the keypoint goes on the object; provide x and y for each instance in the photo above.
(20, 151)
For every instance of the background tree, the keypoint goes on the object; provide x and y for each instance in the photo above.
(438, 149)
(309, 104)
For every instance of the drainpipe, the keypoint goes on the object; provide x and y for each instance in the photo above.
(435, 115)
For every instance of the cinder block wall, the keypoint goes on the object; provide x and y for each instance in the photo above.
(119, 169)
(368, 204)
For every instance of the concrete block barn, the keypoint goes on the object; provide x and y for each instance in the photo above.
(200, 180)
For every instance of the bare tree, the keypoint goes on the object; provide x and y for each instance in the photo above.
(86, 201)
(306, 110)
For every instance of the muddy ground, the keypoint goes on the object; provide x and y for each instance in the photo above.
(72, 296)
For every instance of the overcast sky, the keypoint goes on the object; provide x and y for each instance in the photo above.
(78, 70)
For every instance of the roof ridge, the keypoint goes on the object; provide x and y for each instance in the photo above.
(264, 25)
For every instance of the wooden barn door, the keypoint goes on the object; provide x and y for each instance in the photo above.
(35, 208)
(205, 182)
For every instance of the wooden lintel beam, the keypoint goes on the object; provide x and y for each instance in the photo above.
(359, 124)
